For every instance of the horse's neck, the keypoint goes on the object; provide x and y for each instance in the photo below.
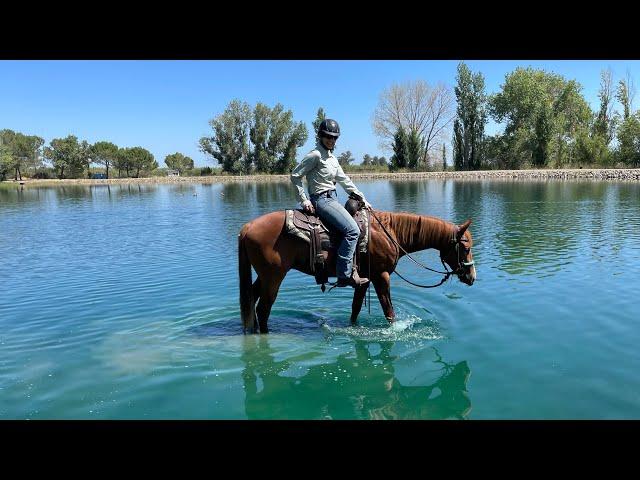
(419, 232)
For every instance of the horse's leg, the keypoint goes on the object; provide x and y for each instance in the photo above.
(256, 290)
(382, 284)
(358, 297)
(269, 287)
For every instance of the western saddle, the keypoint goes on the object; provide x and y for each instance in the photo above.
(321, 239)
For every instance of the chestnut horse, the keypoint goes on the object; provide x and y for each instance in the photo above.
(264, 244)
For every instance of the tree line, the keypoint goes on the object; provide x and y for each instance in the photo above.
(547, 123)
(70, 158)
(545, 118)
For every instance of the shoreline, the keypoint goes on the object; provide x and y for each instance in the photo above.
(631, 174)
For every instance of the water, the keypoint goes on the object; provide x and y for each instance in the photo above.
(121, 302)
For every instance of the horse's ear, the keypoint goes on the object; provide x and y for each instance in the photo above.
(463, 228)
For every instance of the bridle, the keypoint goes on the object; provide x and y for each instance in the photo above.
(462, 267)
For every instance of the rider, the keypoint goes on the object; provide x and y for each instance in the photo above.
(322, 171)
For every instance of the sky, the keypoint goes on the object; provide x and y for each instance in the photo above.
(166, 106)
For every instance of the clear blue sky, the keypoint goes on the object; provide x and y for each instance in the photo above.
(165, 106)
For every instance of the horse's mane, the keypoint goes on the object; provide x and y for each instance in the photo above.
(414, 229)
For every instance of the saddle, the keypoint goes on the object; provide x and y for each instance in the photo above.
(321, 239)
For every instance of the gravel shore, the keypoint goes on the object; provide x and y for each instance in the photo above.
(568, 174)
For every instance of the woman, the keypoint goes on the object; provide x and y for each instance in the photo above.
(322, 171)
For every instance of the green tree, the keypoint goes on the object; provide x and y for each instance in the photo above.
(179, 162)
(543, 112)
(604, 125)
(140, 159)
(471, 118)
(121, 161)
(628, 151)
(66, 156)
(104, 153)
(625, 94)
(6, 160)
(345, 159)
(296, 137)
(275, 138)
(320, 116)
(380, 161)
(367, 160)
(444, 157)
(400, 150)
(415, 149)
(229, 144)
(21, 151)
(265, 140)
(85, 156)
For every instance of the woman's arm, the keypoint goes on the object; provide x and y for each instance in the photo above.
(347, 184)
(307, 164)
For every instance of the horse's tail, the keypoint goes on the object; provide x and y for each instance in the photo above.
(247, 310)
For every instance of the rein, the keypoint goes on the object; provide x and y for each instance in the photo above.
(447, 273)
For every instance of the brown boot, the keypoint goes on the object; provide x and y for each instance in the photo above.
(353, 281)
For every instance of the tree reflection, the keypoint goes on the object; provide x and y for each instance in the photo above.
(358, 385)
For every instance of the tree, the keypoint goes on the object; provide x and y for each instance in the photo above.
(381, 161)
(444, 158)
(6, 160)
(121, 162)
(604, 125)
(543, 113)
(345, 159)
(400, 150)
(20, 150)
(275, 138)
(265, 140)
(66, 156)
(229, 144)
(85, 156)
(296, 137)
(177, 161)
(367, 160)
(414, 106)
(415, 150)
(471, 117)
(625, 95)
(104, 153)
(628, 151)
(140, 159)
(320, 116)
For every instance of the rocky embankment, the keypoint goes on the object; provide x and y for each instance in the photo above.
(565, 174)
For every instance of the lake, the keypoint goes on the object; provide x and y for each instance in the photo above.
(121, 302)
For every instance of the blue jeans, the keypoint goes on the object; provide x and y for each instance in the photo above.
(333, 214)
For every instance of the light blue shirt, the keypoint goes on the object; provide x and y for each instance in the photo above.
(322, 171)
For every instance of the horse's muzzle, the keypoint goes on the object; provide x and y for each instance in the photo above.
(468, 277)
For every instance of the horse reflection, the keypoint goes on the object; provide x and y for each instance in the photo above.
(360, 386)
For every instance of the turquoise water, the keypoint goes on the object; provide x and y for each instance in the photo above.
(121, 302)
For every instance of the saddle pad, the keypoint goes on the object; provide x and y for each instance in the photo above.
(299, 225)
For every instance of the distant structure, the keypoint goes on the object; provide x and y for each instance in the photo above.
(173, 173)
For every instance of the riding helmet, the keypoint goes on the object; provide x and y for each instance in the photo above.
(330, 128)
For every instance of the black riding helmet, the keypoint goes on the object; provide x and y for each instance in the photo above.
(329, 128)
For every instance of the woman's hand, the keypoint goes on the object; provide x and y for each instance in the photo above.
(307, 206)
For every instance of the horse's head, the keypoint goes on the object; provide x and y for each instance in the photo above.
(457, 254)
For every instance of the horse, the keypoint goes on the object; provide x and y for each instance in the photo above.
(264, 244)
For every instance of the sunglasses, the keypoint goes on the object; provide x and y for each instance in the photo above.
(330, 137)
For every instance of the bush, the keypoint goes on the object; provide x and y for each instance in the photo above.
(159, 172)
(45, 174)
